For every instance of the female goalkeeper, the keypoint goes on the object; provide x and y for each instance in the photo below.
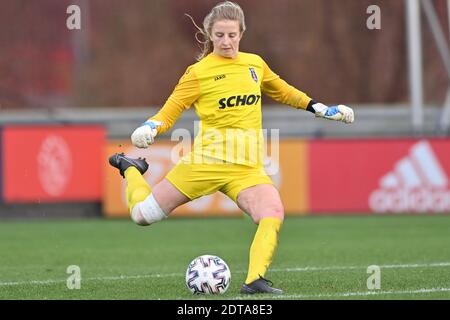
(225, 88)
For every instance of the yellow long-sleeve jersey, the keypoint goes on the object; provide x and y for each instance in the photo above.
(226, 94)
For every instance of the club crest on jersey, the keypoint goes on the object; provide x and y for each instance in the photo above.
(253, 74)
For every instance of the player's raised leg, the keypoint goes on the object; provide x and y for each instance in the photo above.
(146, 206)
(262, 202)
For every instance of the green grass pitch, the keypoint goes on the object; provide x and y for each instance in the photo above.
(323, 257)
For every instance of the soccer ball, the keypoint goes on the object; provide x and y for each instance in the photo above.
(208, 274)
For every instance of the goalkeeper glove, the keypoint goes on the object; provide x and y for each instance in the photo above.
(338, 113)
(145, 135)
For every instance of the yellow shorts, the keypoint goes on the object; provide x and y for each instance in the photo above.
(196, 180)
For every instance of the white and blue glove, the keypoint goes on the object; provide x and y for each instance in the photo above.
(145, 135)
(337, 113)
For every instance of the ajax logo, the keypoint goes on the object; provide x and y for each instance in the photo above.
(54, 165)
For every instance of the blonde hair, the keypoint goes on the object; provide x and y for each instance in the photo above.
(222, 11)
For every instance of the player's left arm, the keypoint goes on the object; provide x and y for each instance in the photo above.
(279, 90)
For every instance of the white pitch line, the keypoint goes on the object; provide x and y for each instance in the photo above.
(166, 275)
(112, 278)
(386, 266)
(352, 294)
(39, 282)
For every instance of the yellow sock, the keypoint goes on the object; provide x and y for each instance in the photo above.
(137, 188)
(263, 248)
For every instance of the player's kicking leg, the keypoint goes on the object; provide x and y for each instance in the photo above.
(146, 206)
(264, 205)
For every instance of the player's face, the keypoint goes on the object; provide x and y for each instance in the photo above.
(225, 36)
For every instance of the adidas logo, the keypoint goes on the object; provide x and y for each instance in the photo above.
(417, 184)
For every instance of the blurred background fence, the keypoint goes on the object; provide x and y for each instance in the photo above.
(133, 53)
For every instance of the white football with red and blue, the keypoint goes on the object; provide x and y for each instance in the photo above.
(208, 274)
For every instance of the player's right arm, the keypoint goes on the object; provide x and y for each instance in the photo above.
(184, 95)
